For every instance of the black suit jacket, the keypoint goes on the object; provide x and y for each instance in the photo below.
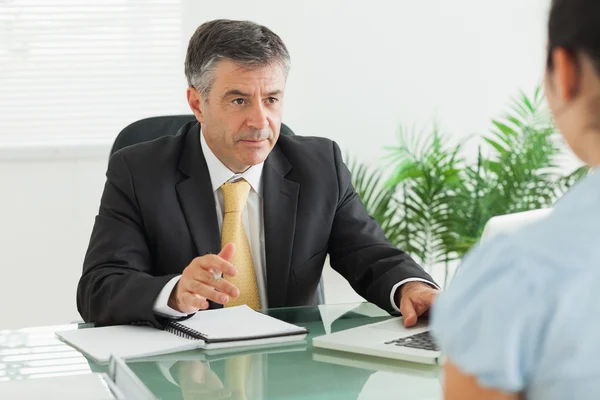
(157, 213)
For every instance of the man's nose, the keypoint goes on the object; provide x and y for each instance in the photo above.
(258, 118)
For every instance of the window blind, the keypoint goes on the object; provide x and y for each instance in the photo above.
(73, 69)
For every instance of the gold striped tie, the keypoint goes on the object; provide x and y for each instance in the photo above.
(235, 196)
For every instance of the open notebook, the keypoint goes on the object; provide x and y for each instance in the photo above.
(212, 329)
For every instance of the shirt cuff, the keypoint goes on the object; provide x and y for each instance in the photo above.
(397, 286)
(161, 304)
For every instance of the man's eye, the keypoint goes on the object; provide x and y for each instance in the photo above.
(239, 102)
(272, 100)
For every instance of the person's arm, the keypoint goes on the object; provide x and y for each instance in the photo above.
(359, 250)
(491, 323)
(458, 386)
(117, 285)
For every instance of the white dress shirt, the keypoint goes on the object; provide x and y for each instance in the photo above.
(252, 218)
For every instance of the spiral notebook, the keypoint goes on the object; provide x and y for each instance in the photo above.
(212, 329)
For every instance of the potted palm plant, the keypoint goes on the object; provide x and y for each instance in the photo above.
(433, 202)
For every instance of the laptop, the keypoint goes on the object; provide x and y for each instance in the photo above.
(388, 339)
(509, 223)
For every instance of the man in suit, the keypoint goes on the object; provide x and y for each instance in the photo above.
(228, 212)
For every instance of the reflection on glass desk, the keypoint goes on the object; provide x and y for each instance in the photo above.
(296, 371)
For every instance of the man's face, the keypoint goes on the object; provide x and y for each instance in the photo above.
(241, 116)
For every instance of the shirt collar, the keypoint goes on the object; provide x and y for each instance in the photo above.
(219, 173)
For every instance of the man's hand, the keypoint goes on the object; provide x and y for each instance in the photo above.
(415, 299)
(198, 283)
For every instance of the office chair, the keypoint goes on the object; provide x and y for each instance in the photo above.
(148, 129)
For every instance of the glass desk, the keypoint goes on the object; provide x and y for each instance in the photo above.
(296, 371)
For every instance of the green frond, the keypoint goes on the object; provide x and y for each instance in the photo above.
(434, 204)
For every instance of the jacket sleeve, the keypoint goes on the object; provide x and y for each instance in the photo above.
(117, 285)
(359, 250)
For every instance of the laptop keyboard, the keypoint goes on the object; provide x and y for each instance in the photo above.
(422, 341)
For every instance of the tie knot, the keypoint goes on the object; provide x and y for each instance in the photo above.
(235, 195)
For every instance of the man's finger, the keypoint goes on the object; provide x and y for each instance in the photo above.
(204, 277)
(421, 309)
(213, 262)
(191, 302)
(193, 286)
(227, 287)
(423, 301)
(210, 293)
(227, 252)
(408, 311)
(428, 297)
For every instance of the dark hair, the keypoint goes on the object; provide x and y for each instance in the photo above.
(247, 43)
(575, 26)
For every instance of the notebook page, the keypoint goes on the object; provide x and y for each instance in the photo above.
(232, 345)
(240, 322)
(126, 341)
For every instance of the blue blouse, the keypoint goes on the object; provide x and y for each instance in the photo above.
(523, 312)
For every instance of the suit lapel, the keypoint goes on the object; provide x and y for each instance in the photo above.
(196, 197)
(280, 205)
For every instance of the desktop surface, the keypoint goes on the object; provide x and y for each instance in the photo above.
(294, 371)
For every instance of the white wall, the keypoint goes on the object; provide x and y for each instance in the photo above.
(359, 70)
(47, 208)
(362, 68)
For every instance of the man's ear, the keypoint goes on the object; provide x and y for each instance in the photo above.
(196, 103)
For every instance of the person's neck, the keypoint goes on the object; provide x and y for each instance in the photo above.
(591, 147)
(237, 170)
(231, 165)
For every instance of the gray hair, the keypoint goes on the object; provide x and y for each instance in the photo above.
(246, 43)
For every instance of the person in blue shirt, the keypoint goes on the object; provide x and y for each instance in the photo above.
(520, 319)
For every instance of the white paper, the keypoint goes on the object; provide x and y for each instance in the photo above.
(126, 341)
(235, 323)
